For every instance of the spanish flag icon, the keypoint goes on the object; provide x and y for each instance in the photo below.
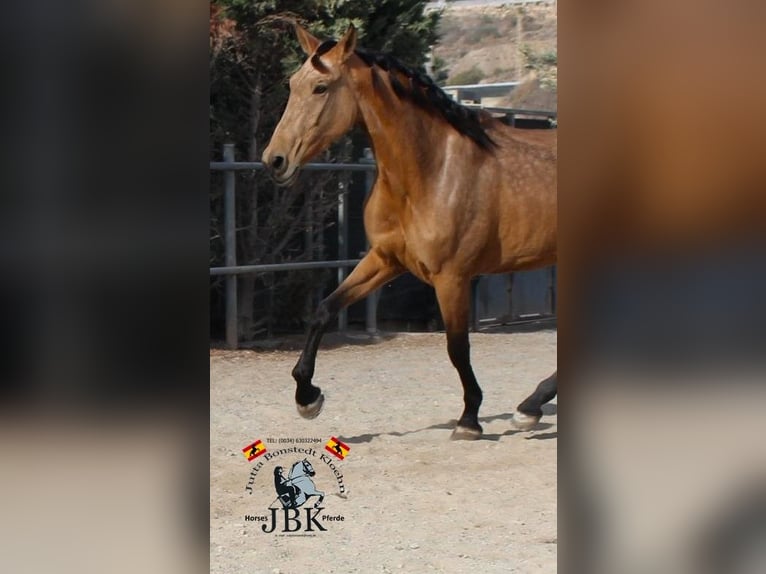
(337, 448)
(254, 450)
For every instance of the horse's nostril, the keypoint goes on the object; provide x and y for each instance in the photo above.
(277, 162)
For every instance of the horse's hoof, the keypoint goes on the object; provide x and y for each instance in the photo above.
(312, 410)
(466, 433)
(524, 422)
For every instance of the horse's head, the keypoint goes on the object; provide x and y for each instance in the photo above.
(321, 108)
(307, 468)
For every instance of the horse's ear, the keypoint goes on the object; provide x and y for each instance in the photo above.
(347, 43)
(308, 42)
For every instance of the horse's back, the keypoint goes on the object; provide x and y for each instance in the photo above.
(547, 139)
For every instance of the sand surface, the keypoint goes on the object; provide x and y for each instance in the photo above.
(415, 501)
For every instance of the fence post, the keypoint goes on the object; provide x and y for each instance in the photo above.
(371, 319)
(230, 247)
(342, 247)
(552, 291)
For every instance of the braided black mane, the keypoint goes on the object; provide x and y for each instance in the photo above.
(422, 91)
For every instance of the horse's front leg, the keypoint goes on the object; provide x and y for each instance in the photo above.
(453, 294)
(318, 503)
(372, 271)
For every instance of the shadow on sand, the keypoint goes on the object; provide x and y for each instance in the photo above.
(450, 425)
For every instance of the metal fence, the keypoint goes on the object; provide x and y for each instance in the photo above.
(231, 269)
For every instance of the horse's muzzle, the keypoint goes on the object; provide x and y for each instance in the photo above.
(279, 168)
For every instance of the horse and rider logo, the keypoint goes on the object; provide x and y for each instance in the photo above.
(295, 490)
(298, 507)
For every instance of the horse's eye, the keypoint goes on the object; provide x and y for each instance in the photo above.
(320, 89)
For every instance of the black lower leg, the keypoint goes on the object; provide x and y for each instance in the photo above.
(459, 353)
(544, 392)
(303, 372)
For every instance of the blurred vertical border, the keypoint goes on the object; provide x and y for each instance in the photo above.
(662, 319)
(103, 297)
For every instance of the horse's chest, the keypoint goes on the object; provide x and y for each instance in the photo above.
(422, 251)
(415, 235)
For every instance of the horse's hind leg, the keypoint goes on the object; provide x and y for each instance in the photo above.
(453, 296)
(529, 412)
(371, 272)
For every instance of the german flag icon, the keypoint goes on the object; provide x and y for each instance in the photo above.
(337, 448)
(253, 451)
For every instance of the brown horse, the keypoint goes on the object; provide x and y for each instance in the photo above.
(457, 194)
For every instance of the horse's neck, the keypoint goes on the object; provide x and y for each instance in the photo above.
(406, 140)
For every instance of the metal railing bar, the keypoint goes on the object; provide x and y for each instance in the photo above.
(271, 267)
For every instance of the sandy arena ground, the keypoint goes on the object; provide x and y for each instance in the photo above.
(415, 501)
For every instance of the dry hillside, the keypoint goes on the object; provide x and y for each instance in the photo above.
(501, 44)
